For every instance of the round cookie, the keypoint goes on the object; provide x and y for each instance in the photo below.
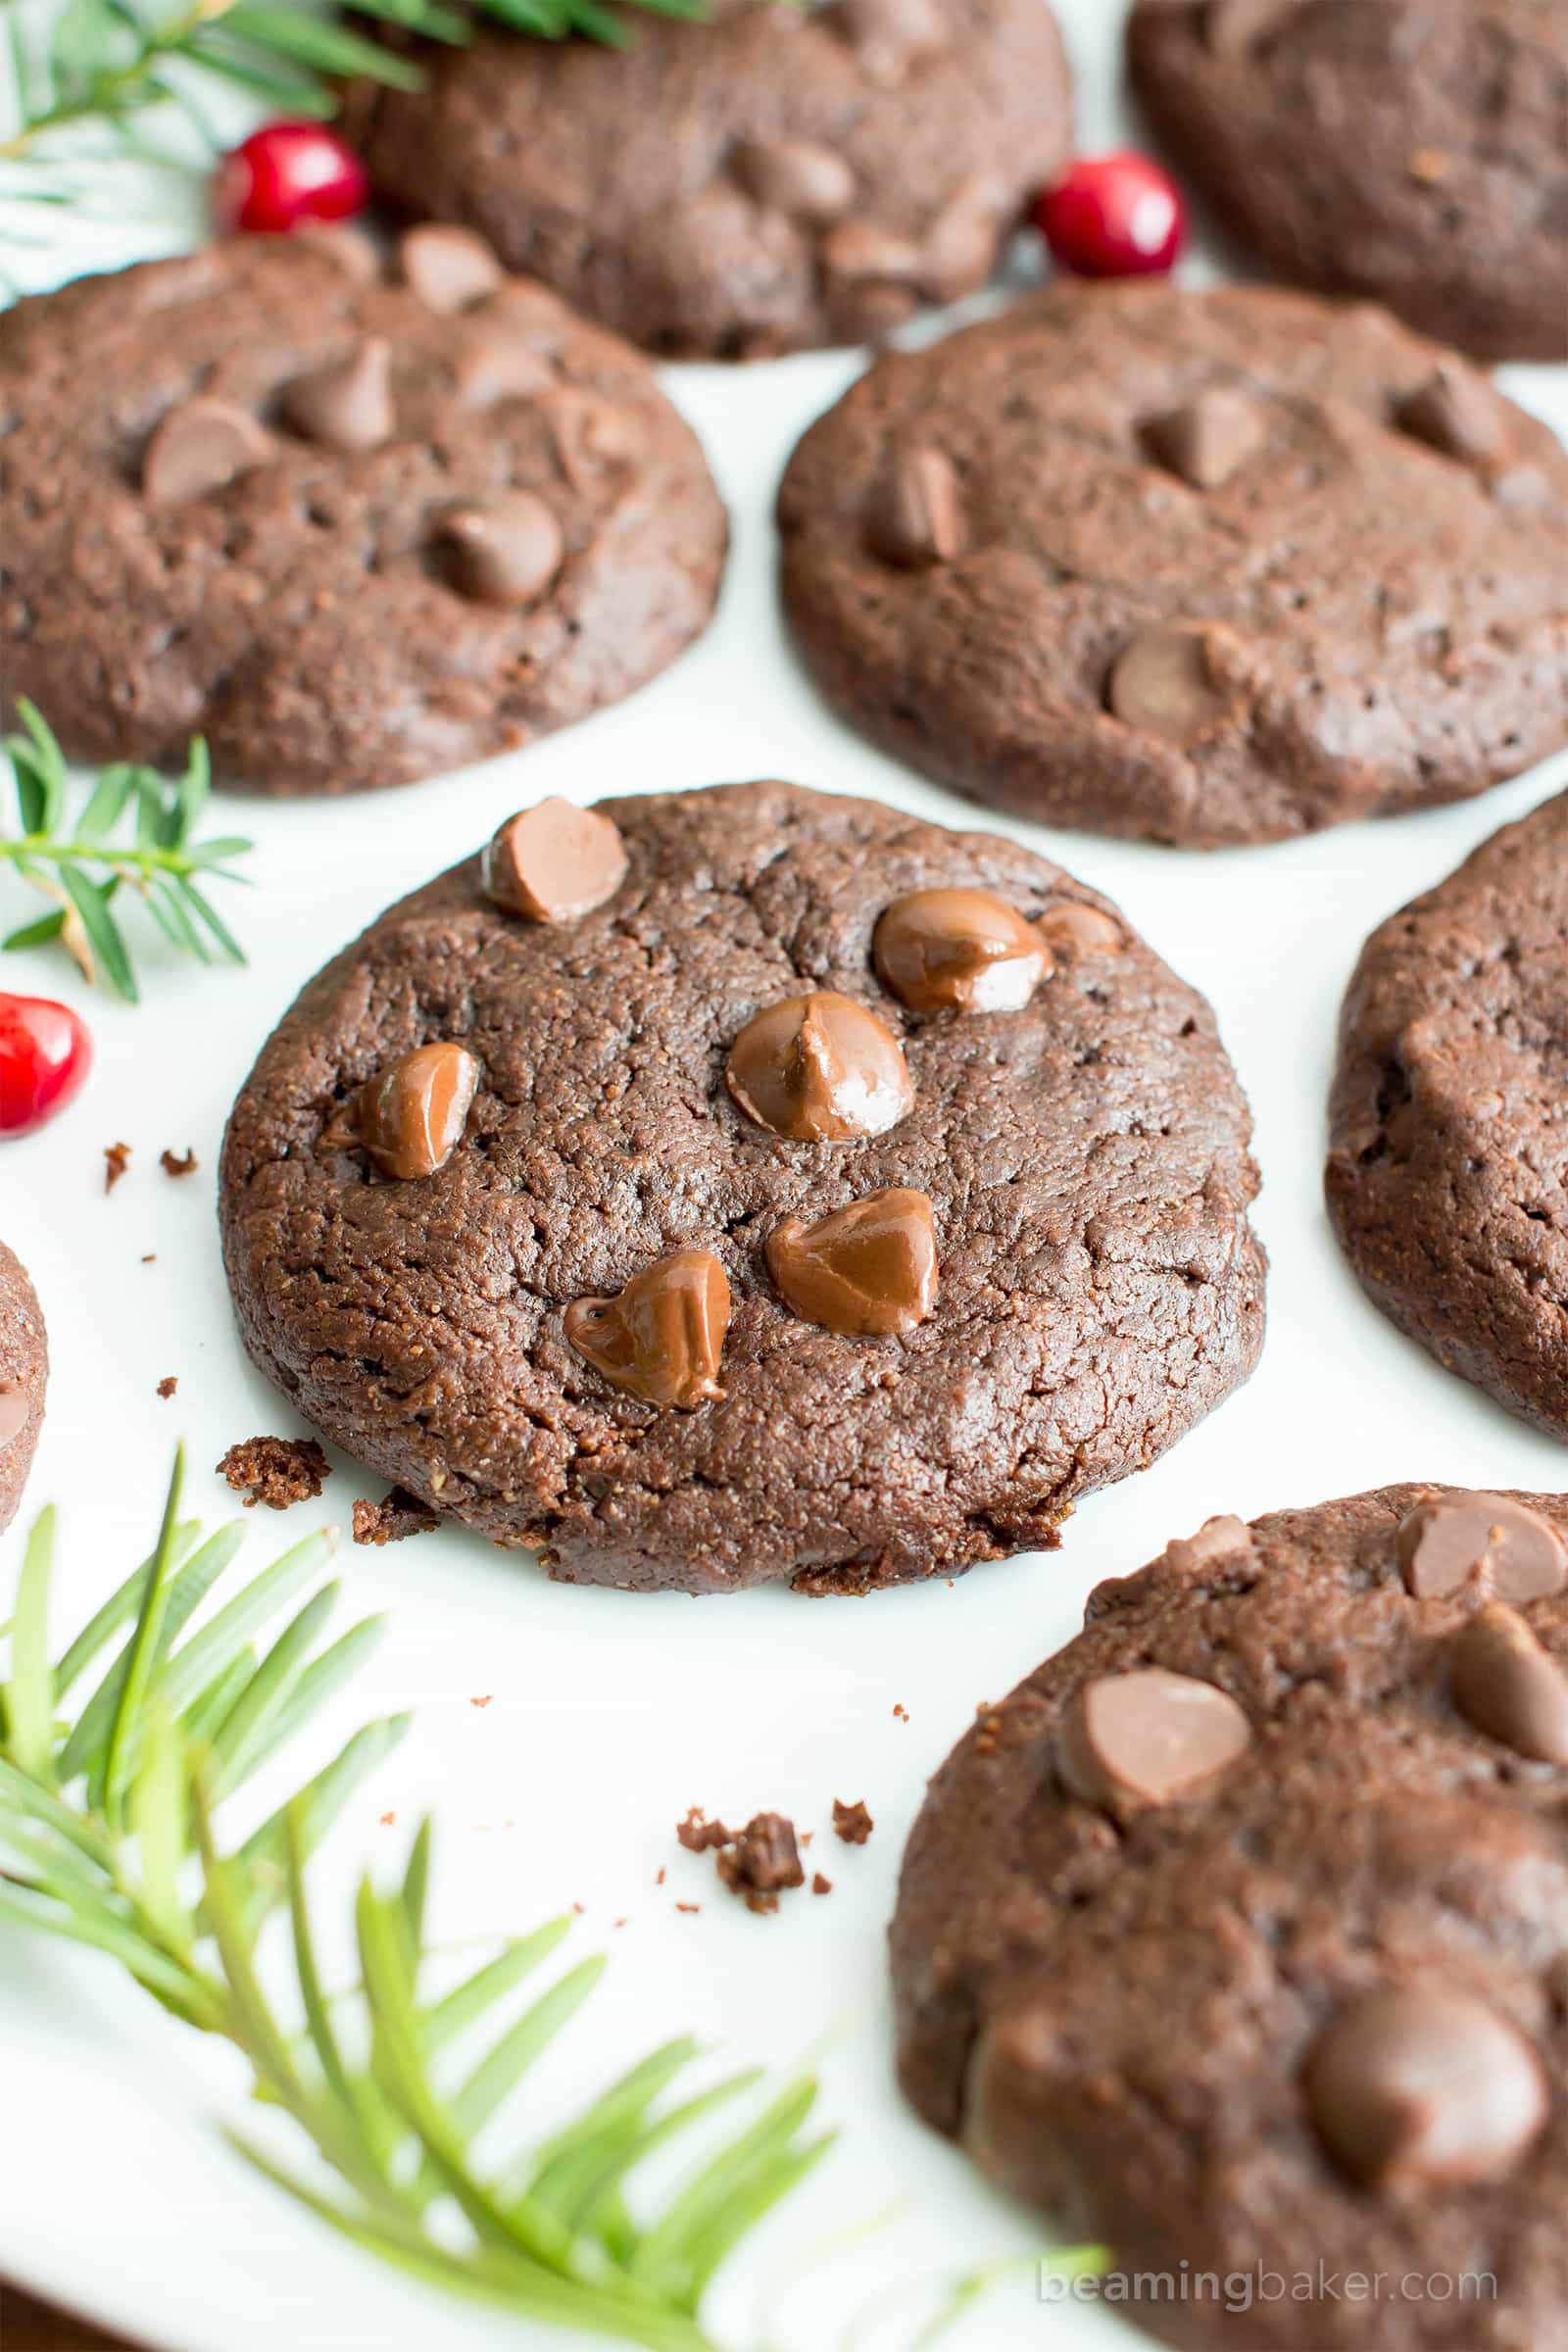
(1237, 1935)
(776, 178)
(754, 1245)
(1446, 1183)
(23, 1379)
(353, 531)
(1414, 151)
(1208, 568)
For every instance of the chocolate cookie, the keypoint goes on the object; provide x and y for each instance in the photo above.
(747, 1183)
(351, 530)
(777, 176)
(1446, 1179)
(1204, 567)
(1415, 151)
(1237, 1935)
(23, 1379)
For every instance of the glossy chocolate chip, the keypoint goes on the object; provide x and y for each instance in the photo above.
(1424, 2087)
(1508, 1685)
(348, 407)
(201, 445)
(1501, 1547)
(449, 269)
(1458, 412)
(915, 514)
(1163, 685)
(810, 182)
(589, 434)
(819, 1068)
(555, 862)
(493, 365)
(412, 1117)
(1130, 1741)
(1225, 1537)
(662, 1337)
(868, 1271)
(1208, 439)
(14, 1412)
(505, 552)
(965, 951)
(1072, 930)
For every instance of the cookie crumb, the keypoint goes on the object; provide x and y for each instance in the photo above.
(150, 1259)
(901, 1713)
(168, 1385)
(397, 1516)
(851, 1823)
(173, 1165)
(388, 1821)
(617, 1923)
(276, 1471)
(688, 1906)
(698, 1834)
(117, 1159)
(482, 1702)
(761, 1861)
(579, 1908)
(659, 1880)
(822, 1885)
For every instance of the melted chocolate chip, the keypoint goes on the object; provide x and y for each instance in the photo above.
(1226, 1538)
(1417, 2085)
(868, 1271)
(1508, 1685)
(1072, 930)
(662, 1337)
(449, 269)
(348, 407)
(1480, 1539)
(493, 365)
(201, 445)
(797, 176)
(412, 1117)
(1128, 1740)
(14, 1412)
(1458, 412)
(819, 1068)
(555, 862)
(1208, 439)
(964, 950)
(915, 516)
(505, 553)
(1163, 685)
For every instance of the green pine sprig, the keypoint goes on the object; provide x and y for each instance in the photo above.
(111, 1794)
(135, 830)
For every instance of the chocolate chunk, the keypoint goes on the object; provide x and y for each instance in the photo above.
(412, 1117)
(662, 1337)
(868, 1271)
(1163, 685)
(201, 445)
(890, 35)
(349, 406)
(1458, 412)
(761, 1861)
(505, 553)
(851, 1823)
(590, 435)
(964, 950)
(275, 1471)
(1509, 1686)
(1147, 1738)
(449, 269)
(810, 182)
(1220, 1539)
(493, 365)
(397, 1516)
(1422, 2086)
(1072, 930)
(553, 862)
(915, 515)
(16, 1411)
(1480, 1539)
(1208, 439)
(819, 1068)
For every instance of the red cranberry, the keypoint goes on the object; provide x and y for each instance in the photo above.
(1114, 216)
(288, 173)
(45, 1054)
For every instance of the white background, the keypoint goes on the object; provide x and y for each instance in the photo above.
(611, 1714)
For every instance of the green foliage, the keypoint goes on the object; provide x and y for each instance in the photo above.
(134, 829)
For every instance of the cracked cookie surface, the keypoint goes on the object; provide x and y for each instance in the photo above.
(1204, 567)
(774, 179)
(1445, 1175)
(1084, 1158)
(24, 1378)
(353, 521)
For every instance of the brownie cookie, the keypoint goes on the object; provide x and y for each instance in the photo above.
(24, 1378)
(1237, 1935)
(775, 178)
(747, 1183)
(352, 527)
(1208, 568)
(1446, 1177)
(1415, 151)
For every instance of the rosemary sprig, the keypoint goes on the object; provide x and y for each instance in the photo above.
(162, 859)
(109, 1836)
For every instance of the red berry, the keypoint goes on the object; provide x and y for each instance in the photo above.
(288, 173)
(1114, 216)
(45, 1054)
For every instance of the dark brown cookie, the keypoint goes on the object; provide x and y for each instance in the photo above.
(778, 176)
(578, 1330)
(23, 1379)
(1204, 567)
(1414, 151)
(1237, 1935)
(1446, 1177)
(351, 530)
